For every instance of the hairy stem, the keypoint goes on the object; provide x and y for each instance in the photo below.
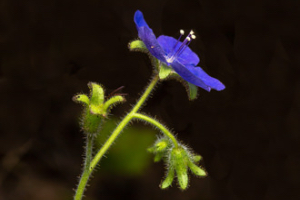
(158, 125)
(123, 123)
(90, 164)
(86, 170)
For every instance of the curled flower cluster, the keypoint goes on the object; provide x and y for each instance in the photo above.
(179, 159)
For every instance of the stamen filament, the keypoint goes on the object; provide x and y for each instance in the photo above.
(174, 47)
(172, 56)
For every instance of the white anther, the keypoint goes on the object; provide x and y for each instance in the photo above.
(181, 32)
(193, 37)
(192, 32)
(188, 38)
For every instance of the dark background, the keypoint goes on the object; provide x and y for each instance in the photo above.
(248, 134)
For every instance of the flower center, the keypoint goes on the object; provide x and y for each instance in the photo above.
(174, 54)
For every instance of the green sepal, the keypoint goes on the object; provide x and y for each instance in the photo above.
(91, 122)
(168, 180)
(95, 108)
(196, 170)
(179, 160)
(159, 156)
(196, 158)
(112, 102)
(159, 149)
(164, 71)
(97, 94)
(182, 176)
(137, 45)
(81, 98)
(192, 91)
(161, 145)
(151, 149)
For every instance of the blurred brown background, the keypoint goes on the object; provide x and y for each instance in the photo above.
(248, 134)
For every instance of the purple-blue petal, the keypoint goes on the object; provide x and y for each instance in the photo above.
(188, 75)
(149, 39)
(187, 57)
(208, 80)
(139, 19)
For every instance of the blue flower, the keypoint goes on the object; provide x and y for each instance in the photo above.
(176, 54)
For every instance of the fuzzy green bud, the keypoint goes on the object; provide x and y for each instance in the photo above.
(159, 148)
(95, 107)
(97, 98)
(179, 160)
(168, 180)
(161, 145)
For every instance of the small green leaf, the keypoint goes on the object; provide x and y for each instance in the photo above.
(137, 45)
(193, 91)
(164, 71)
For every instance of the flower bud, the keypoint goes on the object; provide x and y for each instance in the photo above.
(168, 180)
(159, 148)
(179, 159)
(95, 107)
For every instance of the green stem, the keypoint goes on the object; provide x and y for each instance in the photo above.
(123, 123)
(86, 170)
(158, 125)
